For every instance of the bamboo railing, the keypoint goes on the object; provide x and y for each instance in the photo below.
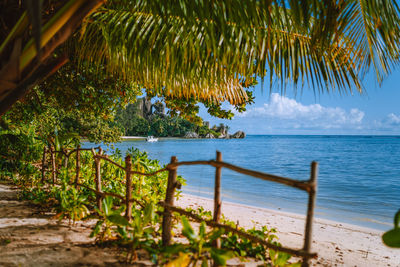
(310, 186)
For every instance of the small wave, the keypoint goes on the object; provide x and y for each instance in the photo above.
(373, 221)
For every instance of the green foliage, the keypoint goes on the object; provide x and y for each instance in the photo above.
(188, 108)
(89, 90)
(246, 248)
(177, 124)
(38, 195)
(19, 148)
(138, 126)
(158, 125)
(202, 212)
(109, 217)
(140, 232)
(171, 126)
(143, 231)
(200, 249)
(281, 259)
(392, 237)
(55, 122)
(59, 112)
(130, 120)
(72, 204)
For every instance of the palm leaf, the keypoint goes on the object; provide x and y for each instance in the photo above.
(204, 49)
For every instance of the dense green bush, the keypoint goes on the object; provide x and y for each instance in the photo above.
(19, 149)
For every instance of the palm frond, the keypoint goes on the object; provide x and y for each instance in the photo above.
(205, 48)
(373, 27)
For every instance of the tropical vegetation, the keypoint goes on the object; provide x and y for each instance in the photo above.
(184, 52)
(133, 123)
(143, 231)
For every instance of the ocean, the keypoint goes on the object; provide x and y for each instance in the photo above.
(358, 179)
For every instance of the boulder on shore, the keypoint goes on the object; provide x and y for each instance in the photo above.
(239, 134)
(225, 136)
(191, 135)
(209, 136)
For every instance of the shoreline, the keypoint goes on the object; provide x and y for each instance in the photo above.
(288, 214)
(137, 138)
(337, 244)
(292, 208)
(132, 137)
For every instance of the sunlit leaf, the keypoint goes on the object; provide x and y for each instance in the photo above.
(183, 260)
(118, 219)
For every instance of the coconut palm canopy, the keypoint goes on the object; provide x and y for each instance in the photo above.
(206, 49)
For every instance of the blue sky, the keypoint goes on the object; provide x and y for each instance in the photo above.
(375, 112)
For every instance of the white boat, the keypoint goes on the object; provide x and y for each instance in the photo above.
(151, 139)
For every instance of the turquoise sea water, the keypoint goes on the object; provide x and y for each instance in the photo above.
(358, 181)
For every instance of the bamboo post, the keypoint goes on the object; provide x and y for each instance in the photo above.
(78, 165)
(53, 165)
(169, 199)
(98, 178)
(44, 164)
(128, 203)
(310, 212)
(217, 197)
(66, 158)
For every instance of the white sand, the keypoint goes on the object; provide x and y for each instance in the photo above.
(133, 137)
(337, 244)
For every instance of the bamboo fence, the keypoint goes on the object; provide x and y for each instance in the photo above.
(310, 186)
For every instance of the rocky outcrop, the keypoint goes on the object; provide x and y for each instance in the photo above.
(239, 134)
(191, 135)
(209, 136)
(148, 110)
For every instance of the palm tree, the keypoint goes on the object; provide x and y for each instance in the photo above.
(208, 49)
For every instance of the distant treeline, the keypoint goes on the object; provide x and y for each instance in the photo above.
(161, 125)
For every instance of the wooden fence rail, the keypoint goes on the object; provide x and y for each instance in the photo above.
(310, 186)
(298, 253)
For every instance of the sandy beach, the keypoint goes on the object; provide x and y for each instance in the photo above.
(337, 244)
(30, 236)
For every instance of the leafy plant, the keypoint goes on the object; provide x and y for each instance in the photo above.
(37, 194)
(247, 248)
(109, 217)
(140, 232)
(281, 259)
(72, 204)
(392, 237)
(200, 249)
(202, 212)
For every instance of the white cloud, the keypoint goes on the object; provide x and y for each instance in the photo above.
(390, 123)
(289, 113)
(393, 119)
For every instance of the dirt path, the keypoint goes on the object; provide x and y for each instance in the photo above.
(30, 237)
